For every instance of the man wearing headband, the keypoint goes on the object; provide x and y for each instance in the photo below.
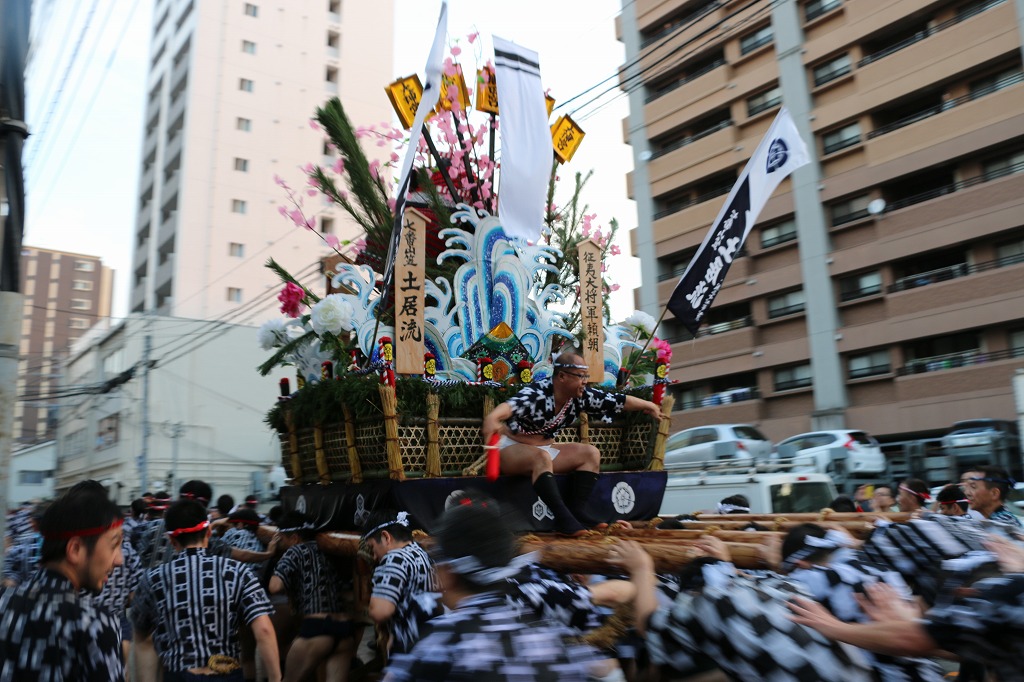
(989, 488)
(528, 422)
(951, 501)
(194, 605)
(484, 637)
(48, 629)
(913, 496)
(326, 632)
(403, 570)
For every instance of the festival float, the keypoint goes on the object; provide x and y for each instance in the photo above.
(445, 309)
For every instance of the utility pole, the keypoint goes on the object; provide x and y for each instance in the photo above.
(174, 432)
(144, 454)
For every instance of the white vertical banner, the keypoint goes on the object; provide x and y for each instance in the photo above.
(525, 141)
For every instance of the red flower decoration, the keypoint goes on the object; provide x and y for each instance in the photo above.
(291, 299)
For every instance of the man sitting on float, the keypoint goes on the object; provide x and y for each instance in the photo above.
(527, 424)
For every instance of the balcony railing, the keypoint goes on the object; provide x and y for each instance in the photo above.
(790, 384)
(691, 138)
(926, 32)
(937, 109)
(680, 23)
(733, 395)
(861, 292)
(949, 272)
(872, 371)
(787, 310)
(701, 198)
(660, 91)
(967, 358)
(954, 187)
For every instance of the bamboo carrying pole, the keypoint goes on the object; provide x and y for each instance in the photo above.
(350, 445)
(584, 428)
(389, 402)
(433, 433)
(478, 464)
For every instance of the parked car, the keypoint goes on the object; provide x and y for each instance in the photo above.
(738, 443)
(814, 452)
(981, 441)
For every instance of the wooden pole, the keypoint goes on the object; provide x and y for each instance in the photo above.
(658, 456)
(350, 445)
(433, 434)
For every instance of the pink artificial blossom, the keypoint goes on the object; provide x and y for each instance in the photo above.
(296, 215)
(473, 36)
(375, 169)
(332, 240)
(283, 210)
(394, 157)
(597, 235)
(311, 223)
(278, 180)
(614, 287)
(291, 299)
(456, 51)
(308, 168)
(313, 124)
(311, 192)
(339, 165)
(615, 250)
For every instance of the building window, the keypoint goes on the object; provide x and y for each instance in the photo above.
(844, 137)
(245, 85)
(234, 294)
(758, 38)
(779, 233)
(80, 304)
(248, 47)
(251, 10)
(764, 101)
(78, 323)
(107, 435)
(995, 82)
(1017, 342)
(242, 165)
(85, 265)
(331, 74)
(849, 210)
(236, 250)
(327, 225)
(81, 285)
(829, 71)
(789, 303)
(859, 286)
(787, 378)
(238, 206)
(243, 124)
(815, 8)
(868, 364)
(1009, 253)
(334, 6)
(32, 477)
(333, 39)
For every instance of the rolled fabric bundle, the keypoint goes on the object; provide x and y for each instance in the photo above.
(814, 517)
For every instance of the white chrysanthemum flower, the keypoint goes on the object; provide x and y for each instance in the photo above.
(271, 334)
(332, 314)
(641, 321)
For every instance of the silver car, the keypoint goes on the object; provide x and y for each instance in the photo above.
(814, 452)
(741, 444)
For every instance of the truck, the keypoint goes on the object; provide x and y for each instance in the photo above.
(768, 490)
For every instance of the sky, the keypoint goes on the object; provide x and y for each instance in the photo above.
(83, 159)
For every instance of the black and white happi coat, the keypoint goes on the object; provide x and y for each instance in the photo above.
(741, 621)
(49, 633)
(19, 525)
(121, 582)
(243, 538)
(311, 581)
(485, 638)
(984, 623)
(917, 549)
(533, 408)
(194, 605)
(836, 585)
(154, 546)
(22, 559)
(402, 573)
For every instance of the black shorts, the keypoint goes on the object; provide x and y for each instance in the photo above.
(326, 627)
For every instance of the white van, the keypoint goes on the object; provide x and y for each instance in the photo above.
(768, 493)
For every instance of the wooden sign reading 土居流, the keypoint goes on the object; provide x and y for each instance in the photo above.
(410, 281)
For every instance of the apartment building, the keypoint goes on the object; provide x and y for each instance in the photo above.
(232, 88)
(883, 285)
(65, 294)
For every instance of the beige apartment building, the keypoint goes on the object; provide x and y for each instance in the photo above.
(232, 88)
(65, 294)
(882, 287)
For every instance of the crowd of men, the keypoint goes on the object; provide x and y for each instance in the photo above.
(191, 589)
(188, 590)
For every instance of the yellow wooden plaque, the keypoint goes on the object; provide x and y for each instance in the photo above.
(410, 287)
(592, 308)
(549, 101)
(405, 94)
(486, 92)
(458, 82)
(566, 137)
